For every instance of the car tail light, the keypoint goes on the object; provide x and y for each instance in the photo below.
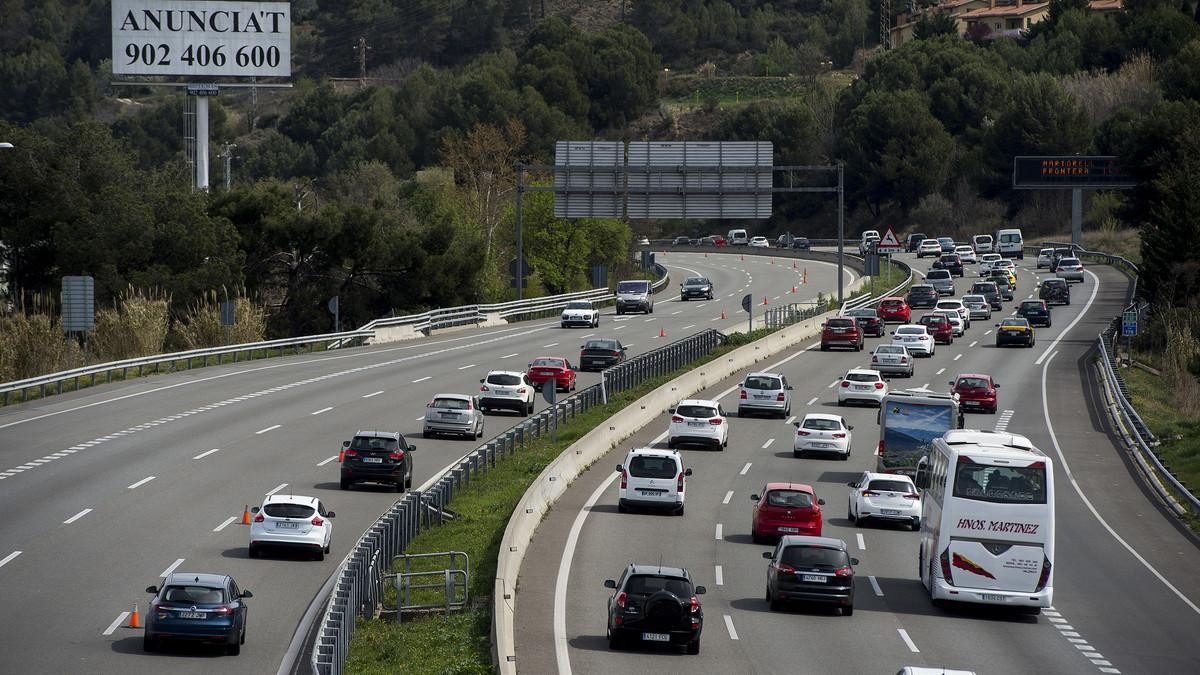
(903, 359)
(695, 605)
(844, 572)
(845, 383)
(621, 598)
(624, 479)
(743, 394)
(350, 453)
(945, 557)
(779, 397)
(317, 521)
(259, 518)
(879, 385)
(868, 493)
(521, 391)
(222, 611)
(484, 388)
(396, 456)
(679, 483)
(676, 418)
(801, 432)
(1045, 578)
(616, 353)
(879, 450)
(716, 421)
(839, 435)
(874, 359)
(780, 567)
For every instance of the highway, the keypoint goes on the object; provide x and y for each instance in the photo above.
(110, 488)
(1126, 578)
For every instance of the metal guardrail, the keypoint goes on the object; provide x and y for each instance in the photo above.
(453, 580)
(358, 590)
(41, 382)
(868, 300)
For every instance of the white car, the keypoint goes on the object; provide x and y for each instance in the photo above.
(929, 247)
(862, 384)
(580, 313)
(506, 390)
(966, 254)
(821, 432)
(1070, 269)
(291, 521)
(959, 307)
(977, 307)
(643, 241)
(915, 337)
(884, 496)
(957, 327)
(986, 261)
(893, 360)
(1045, 258)
(760, 242)
(698, 422)
(1006, 264)
(652, 478)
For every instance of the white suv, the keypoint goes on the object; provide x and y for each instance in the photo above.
(506, 390)
(700, 422)
(652, 478)
(580, 313)
(291, 521)
(862, 384)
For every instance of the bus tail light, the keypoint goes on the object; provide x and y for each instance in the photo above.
(945, 558)
(1045, 578)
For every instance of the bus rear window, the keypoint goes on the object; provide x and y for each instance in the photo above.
(1000, 484)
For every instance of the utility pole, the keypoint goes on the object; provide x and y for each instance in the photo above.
(227, 155)
(362, 48)
(885, 24)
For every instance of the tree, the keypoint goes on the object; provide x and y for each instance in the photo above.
(933, 24)
(1180, 75)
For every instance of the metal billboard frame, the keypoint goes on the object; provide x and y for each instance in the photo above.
(1076, 188)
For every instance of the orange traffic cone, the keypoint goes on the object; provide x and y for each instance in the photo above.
(793, 289)
(764, 299)
(706, 254)
(135, 620)
(793, 264)
(772, 261)
(805, 280)
(743, 257)
(722, 315)
(662, 332)
(246, 515)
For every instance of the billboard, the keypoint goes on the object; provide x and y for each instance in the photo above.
(1069, 171)
(199, 38)
(700, 179)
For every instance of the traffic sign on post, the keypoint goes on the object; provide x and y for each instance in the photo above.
(889, 243)
(1129, 324)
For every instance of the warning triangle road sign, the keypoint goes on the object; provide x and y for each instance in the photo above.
(889, 242)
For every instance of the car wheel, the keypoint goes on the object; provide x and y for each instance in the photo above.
(234, 649)
(149, 644)
(710, 297)
(841, 403)
(846, 456)
(400, 484)
(850, 515)
(621, 508)
(916, 524)
(319, 555)
(671, 443)
(344, 483)
(693, 647)
(614, 640)
(480, 434)
(848, 610)
(679, 511)
(772, 602)
(253, 550)
(798, 454)
(426, 434)
(408, 479)
(682, 298)
(824, 348)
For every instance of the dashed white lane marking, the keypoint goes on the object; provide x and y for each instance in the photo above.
(812, 400)
(718, 532)
(744, 471)
(719, 576)
(940, 371)
(715, 318)
(793, 417)
(988, 332)
(509, 356)
(875, 586)
(552, 344)
(8, 558)
(973, 343)
(912, 646)
(729, 627)
(171, 568)
(630, 344)
(768, 443)
(77, 516)
(728, 496)
(688, 326)
(141, 483)
(619, 328)
(419, 418)
(112, 627)
(322, 410)
(277, 488)
(862, 543)
(957, 357)
(206, 453)
(326, 460)
(679, 312)
(224, 524)
(273, 427)
(469, 365)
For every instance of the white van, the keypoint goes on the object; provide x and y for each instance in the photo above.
(737, 238)
(1010, 244)
(652, 479)
(982, 243)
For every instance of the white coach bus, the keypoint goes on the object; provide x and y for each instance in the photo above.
(987, 521)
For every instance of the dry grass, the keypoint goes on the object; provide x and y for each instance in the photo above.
(1125, 242)
(136, 326)
(201, 326)
(33, 344)
(1102, 93)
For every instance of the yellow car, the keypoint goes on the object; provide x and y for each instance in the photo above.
(1012, 274)
(1015, 330)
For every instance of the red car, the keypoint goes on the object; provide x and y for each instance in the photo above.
(841, 331)
(939, 327)
(785, 508)
(555, 369)
(894, 309)
(976, 392)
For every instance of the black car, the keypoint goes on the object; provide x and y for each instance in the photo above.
(681, 241)
(197, 607)
(913, 241)
(989, 290)
(922, 296)
(802, 244)
(868, 321)
(599, 354)
(1015, 330)
(1003, 282)
(653, 604)
(696, 287)
(1055, 292)
(815, 569)
(1036, 311)
(377, 457)
(952, 262)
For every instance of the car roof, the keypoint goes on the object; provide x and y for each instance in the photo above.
(920, 286)
(461, 397)
(290, 499)
(781, 485)
(823, 416)
(911, 325)
(394, 435)
(862, 371)
(764, 374)
(980, 375)
(196, 578)
(662, 570)
(514, 373)
(699, 401)
(805, 540)
(655, 452)
(949, 300)
(875, 475)
(892, 297)
(557, 358)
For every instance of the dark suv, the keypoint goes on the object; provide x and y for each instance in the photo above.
(922, 296)
(817, 569)
(1037, 311)
(655, 604)
(950, 262)
(377, 457)
(1055, 291)
(990, 291)
(841, 331)
(913, 241)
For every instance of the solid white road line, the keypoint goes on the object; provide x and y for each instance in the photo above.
(812, 400)
(1087, 305)
(167, 572)
(77, 516)
(206, 453)
(507, 356)
(6, 559)
(273, 427)
(862, 544)
(112, 627)
(728, 496)
(875, 586)
(326, 460)
(277, 489)
(430, 377)
(912, 646)
(768, 443)
(419, 418)
(718, 531)
(141, 483)
(719, 576)
(228, 521)
(1078, 490)
(729, 627)
(322, 410)
(745, 469)
(988, 332)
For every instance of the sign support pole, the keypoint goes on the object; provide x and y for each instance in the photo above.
(201, 167)
(1077, 216)
(841, 229)
(520, 253)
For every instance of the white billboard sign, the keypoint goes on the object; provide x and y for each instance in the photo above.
(208, 39)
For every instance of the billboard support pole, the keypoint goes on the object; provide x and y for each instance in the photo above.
(1077, 216)
(841, 228)
(520, 253)
(201, 159)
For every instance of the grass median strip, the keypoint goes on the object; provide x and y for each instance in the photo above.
(460, 642)
(1177, 431)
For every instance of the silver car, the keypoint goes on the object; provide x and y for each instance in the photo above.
(977, 307)
(765, 392)
(457, 414)
(941, 281)
(893, 360)
(1070, 269)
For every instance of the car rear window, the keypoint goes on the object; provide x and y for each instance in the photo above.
(822, 424)
(891, 303)
(889, 349)
(696, 281)
(288, 510)
(891, 485)
(194, 595)
(989, 287)
(548, 363)
(814, 556)
(841, 323)
(862, 313)
(451, 403)
(696, 411)
(649, 466)
(503, 379)
(862, 377)
(1031, 304)
(910, 330)
(790, 499)
(645, 584)
(367, 443)
(938, 274)
(1069, 261)
(633, 286)
(762, 382)
(972, 383)
(600, 344)
(925, 290)
(933, 318)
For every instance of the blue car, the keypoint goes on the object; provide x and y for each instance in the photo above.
(196, 607)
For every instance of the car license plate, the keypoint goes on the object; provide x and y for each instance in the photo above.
(650, 493)
(450, 415)
(790, 530)
(861, 387)
(696, 424)
(992, 596)
(889, 512)
(656, 637)
(761, 397)
(287, 525)
(822, 445)
(813, 578)
(372, 460)
(191, 615)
